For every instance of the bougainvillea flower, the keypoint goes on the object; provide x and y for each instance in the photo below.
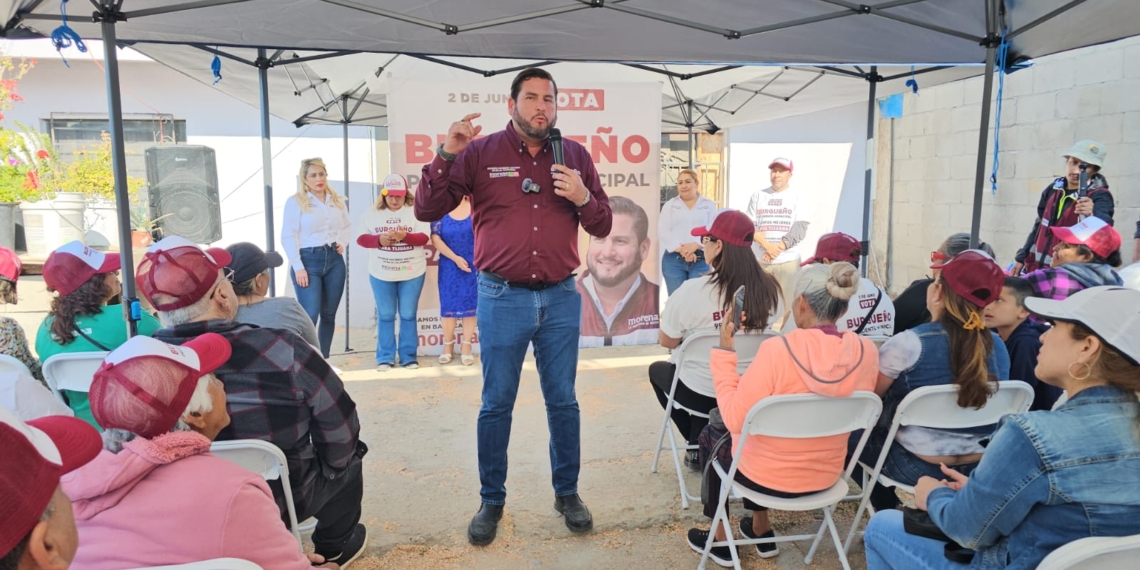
(32, 180)
(42, 154)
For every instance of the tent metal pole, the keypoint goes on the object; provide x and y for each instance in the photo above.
(347, 205)
(690, 125)
(873, 79)
(991, 43)
(266, 160)
(119, 165)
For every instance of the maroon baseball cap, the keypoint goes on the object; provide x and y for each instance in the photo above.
(180, 271)
(73, 264)
(1093, 233)
(836, 246)
(145, 385)
(732, 226)
(974, 275)
(36, 453)
(10, 265)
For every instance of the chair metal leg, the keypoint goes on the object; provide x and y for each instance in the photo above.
(835, 537)
(815, 543)
(680, 474)
(661, 439)
(863, 505)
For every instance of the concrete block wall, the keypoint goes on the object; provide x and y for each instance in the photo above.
(1092, 93)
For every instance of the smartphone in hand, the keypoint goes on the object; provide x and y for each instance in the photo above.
(738, 306)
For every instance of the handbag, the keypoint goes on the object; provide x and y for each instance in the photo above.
(709, 496)
(919, 523)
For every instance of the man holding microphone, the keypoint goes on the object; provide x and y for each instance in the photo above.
(526, 209)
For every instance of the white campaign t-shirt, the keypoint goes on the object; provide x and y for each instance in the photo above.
(696, 306)
(773, 213)
(882, 323)
(399, 262)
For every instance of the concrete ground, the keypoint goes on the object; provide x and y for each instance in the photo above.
(422, 481)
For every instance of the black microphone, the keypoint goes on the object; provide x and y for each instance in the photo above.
(556, 146)
(1082, 186)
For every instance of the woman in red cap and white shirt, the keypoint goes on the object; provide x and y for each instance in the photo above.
(12, 340)
(155, 496)
(396, 268)
(954, 348)
(80, 319)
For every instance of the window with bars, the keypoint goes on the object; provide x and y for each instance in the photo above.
(70, 133)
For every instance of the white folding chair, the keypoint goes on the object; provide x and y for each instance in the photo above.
(72, 371)
(269, 461)
(698, 345)
(13, 364)
(797, 416)
(215, 564)
(1095, 553)
(937, 407)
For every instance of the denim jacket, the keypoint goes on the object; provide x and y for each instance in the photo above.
(933, 369)
(1047, 479)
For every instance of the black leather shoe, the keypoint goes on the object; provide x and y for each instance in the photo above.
(481, 531)
(578, 518)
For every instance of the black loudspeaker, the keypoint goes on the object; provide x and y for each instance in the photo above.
(183, 192)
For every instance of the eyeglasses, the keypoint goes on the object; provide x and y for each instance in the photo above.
(708, 239)
(936, 256)
(228, 273)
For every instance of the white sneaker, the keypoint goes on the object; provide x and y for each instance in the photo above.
(384, 367)
(412, 365)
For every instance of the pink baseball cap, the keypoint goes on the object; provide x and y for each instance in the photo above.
(73, 264)
(10, 265)
(36, 454)
(180, 271)
(781, 161)
(395, 185)
(974, 275)
(1093, 233)
(732, 226)
(145, 385)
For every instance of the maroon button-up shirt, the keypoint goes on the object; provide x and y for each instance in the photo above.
(525, 237)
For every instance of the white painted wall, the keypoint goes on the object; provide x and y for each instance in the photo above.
(232, 129)
(828, 149)
(1089, 93)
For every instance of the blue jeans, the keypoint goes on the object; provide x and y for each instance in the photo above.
(900, 465)
(676, 270)
(391, 296)
(326, 286)
(510, 318)
(889, 547)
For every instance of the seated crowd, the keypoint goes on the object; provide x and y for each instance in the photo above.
(222, 361)
(1037, 481)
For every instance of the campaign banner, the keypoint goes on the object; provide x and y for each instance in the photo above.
(620, 126)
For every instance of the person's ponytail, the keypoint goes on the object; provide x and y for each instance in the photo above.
(971, 344)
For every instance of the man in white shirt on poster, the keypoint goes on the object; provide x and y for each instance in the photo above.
(870, 312)
(780, 213)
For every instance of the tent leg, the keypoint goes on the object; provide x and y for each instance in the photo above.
(873, 79)
(347, 280)
(266, 161)
(119, 166)
(992, 42)
(689, 120)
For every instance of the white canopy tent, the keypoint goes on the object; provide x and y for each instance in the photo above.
(729, 32)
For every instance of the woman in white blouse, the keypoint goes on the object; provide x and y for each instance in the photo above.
(683, 257)
(314, 234)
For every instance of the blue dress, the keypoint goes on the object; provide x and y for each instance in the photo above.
(458, 292)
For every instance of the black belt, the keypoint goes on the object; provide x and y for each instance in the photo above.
(539, 286)
(326, 246)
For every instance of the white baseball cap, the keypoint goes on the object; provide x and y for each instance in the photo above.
(1111, 313)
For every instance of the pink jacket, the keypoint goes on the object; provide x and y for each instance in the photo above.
(846, 363)
(167, 500)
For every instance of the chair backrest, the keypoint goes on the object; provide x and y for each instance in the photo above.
(811, 415)
(13, 364)
(256, 455)
(72, 371)
(215, 564)
(937, 406)
(1095, 553)
(698, 344)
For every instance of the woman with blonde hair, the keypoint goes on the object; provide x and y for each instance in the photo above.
(396, 267)
(954, 348)
(314, 233)
(683, 257)
(816, 358)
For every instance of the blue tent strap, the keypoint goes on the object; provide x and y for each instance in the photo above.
(216, 68)
(1002, 53)
(64, 37)
(912, 82)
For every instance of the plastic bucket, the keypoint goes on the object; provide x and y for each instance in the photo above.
(8, 226)
(49, 224)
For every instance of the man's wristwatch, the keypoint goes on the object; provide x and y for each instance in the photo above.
(584, 202)
(444, 154)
